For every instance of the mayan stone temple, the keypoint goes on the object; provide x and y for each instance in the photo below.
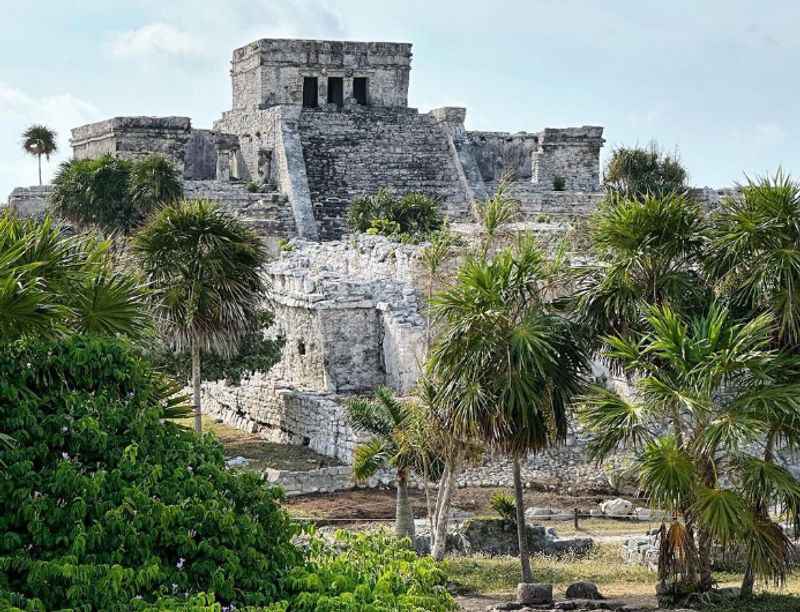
(315, 124)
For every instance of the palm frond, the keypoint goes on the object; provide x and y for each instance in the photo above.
(612, 422)
(370, 457)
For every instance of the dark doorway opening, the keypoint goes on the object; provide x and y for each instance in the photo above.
(310, 92)
(336, 91)
(360, 90)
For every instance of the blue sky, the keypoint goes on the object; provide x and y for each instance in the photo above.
(714, 80)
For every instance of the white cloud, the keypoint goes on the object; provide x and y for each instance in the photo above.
(19, 109)
(155, 39)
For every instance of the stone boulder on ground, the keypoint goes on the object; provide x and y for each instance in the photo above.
(531, 593)
(583, 590)
(616, 507)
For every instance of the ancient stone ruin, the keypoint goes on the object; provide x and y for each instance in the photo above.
(314, 124)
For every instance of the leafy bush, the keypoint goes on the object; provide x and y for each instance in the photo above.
(112, 193)
(635, 172)
(504, 505)
(368, 572)
(413, 216)
(102, 503)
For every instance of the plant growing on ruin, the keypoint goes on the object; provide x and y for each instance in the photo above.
(409, 218)
(39, 140)
(507, 362)
(386, 419)
(636, 172)
(203, 265)
(495, 214)
(717, 387)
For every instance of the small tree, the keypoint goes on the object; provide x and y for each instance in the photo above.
(636, 172)
(204, 267)
(39, 140)
(387, 420)
(154, 180)
(507, 361)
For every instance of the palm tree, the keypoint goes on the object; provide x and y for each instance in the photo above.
(390, 423)
(204, 268)
(154, 180)
(717, 386)
(507, 363)
(39, 140)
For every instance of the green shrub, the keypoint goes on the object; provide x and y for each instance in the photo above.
(153, 181)
(413, 216)
(113, 194)
(635, 172)
(253, 187)
(504, 505)
(368, 572)
(254, 353)
(101, 503)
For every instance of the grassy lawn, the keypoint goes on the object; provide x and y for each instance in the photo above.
(260, 453)
(499, 576)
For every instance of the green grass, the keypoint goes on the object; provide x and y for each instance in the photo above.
(498, 576)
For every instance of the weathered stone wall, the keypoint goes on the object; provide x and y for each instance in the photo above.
(570, 153)
(29, 201)
(499, 153)
(265, 406)
(269, 72)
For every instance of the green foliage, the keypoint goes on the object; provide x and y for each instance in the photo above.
(52, 284)
(754, 255)
(651, 251)
(103, 502)
(203, 266)
(635, 172)
(254, 353)
(368, 572)
(410, 217)
(285, 246)
(39, 140)
(154, 180)
(504, 505)
(113, 194)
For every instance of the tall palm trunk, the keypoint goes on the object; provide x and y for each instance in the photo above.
(522, 532)
(198, 414)
(447, 485)
(40, 168)
(404, 515)
(748, 581)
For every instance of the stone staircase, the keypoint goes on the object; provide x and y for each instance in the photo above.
(354, 153)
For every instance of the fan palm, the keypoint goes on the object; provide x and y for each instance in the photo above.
(506, 361)
(203, 266)
(391, 423)
(648, 252)
(754, 252)
(39, 140)
(718, 387)
(53, 284)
